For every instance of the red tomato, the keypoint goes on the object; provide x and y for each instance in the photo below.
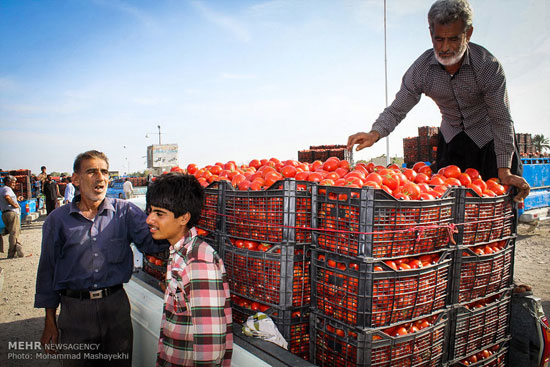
(264, 247)
(436, 181)
(302, 176)
(427, 170)
(416, 167)
(472, 172)
(239, 243)
(374, 177)
(476, 189)
(315, 177)
(289, 171)
(411, 190)
(389, 178)
(479, 182)
(421, 178)
(452, 181)
(465, 179)
(331, 164)
(251, 245)
(192, 168)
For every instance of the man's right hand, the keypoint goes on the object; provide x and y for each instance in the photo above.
(51, 333)
(363, 140)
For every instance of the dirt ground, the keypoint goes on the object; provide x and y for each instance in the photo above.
(21, 322)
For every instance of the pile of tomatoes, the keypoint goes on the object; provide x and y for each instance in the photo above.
(416, 183)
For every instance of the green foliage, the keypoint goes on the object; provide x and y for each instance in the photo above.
(541, 143)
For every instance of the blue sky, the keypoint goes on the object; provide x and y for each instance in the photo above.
(232, 80)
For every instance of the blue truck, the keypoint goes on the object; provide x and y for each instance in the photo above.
(536, 172)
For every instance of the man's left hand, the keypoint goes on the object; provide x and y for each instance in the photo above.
(507, 178)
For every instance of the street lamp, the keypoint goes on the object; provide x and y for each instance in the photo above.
(127, 161)
(147, 134)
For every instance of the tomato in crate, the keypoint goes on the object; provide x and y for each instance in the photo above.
(279, 214)
(418, 342)
(211, 214)
(483, 219)
(493, 356)
(365, 293)
(479, 325)
(482, 270)
(277, 275)
(370, 222)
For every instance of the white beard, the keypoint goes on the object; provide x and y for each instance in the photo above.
(455, 59)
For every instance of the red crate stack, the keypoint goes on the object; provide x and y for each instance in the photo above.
(379, 262)
(482, 279)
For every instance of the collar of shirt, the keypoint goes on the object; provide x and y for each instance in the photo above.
(105, 205)
(185, 242)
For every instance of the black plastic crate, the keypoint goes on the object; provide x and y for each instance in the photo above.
(293, 324)
(279, 214)
(483, 219)
(495, 355)
(370, 222)
(336, 344)
(364, 293)
(211, 214)
(278, 277)
(477, 276)
(479, 325)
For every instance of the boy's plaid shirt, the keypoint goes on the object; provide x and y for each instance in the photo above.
(196, 325)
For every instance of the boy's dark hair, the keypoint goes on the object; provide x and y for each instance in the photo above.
(90, 154)
(178, 193)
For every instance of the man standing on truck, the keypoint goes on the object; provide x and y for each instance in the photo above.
(468, 84)
(85, 259)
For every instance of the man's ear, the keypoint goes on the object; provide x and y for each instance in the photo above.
(76, 179)
(469, 33)
(184, 219)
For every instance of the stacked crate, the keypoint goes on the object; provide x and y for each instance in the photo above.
(359, 298)
(482, 279)
(323, 152)
(421, 148)
(271, 274)
(23, 185)
(525, 144)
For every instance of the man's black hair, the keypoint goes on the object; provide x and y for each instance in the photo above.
(178, 193)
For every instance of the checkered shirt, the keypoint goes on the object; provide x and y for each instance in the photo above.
(196, 325)
(473, 100)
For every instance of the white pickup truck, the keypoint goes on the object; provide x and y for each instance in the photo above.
(146, 300)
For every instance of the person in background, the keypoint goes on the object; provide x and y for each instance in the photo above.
(196, 323)
(69, 191)
(42, 176)
(51, 193)
(85, 259)
(468, 84)
(128, 188)
(11, 215)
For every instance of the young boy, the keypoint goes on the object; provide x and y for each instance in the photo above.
(196, 322)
